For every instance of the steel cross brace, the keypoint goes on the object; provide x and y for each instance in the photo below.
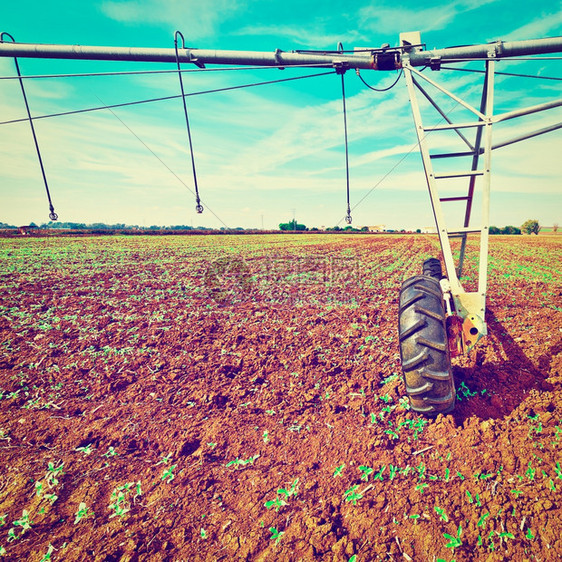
(468, 306)
(465, 309)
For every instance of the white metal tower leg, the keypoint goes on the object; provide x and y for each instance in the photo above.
(470, 306)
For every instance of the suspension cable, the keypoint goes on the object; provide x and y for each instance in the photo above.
(183, 71)
(500, 73)
(160, 159)
(268, 82)
(52, 215)
(198, 206)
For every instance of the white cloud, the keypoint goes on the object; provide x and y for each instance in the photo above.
(384, 19)
(546, 24)
(194, 19)
(311, 35)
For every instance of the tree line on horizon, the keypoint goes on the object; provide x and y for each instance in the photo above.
(530, 226)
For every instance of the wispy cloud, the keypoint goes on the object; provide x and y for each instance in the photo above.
(313, 35)
(546, 24)
(196, 19)
(380, 18)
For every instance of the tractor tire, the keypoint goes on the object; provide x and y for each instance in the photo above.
(424, 349)
(432, 268)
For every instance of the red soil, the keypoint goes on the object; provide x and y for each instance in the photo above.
(240, 398)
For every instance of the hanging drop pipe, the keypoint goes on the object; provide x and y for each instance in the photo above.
(52, 215)
(198, 206)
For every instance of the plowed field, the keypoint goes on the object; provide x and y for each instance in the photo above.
(240, 398)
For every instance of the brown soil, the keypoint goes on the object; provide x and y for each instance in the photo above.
(240, 398)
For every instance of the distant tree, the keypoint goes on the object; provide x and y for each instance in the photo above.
(494, 230)
(292, 225)
(418, 230)
(555, 227)
(531, 226)
(365, 229)
(510, 230)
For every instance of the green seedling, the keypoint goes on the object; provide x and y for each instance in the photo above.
(51, 498)
(454, 541)
(168, 474)
(242, 462)
(12, 535)
(24, 522)
(339, 470)
(86, 450)
(47, 555)
(3, 520)
(119, 504)
(441, 513)
(292, 490)
(164, 460)
(506, 535)
(275, 534)
(482, 520)
(266, 438)
(2, 551)
(529, 535)
(203, 533)
(404, 403)
(110, 453)
(366, 470)
(379, 474)
(421, 487)
(393, 470)
(464, 391)
(81, 513)
(392, 433)
(53, 472)
(277, 503)
(352, 495)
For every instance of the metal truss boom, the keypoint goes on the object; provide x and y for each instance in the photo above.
(376, 59)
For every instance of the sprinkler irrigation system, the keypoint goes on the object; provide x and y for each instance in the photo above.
(438, 319)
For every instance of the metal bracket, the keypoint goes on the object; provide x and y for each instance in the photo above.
(387, 60)
(435, 63)
(341, 67)
(188, 54)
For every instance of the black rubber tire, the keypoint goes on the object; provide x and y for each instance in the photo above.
(424, 349)
(432, 268)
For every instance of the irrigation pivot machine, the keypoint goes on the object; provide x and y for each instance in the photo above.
(439, 318)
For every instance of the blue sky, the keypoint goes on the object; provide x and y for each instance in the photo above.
(264, 153)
